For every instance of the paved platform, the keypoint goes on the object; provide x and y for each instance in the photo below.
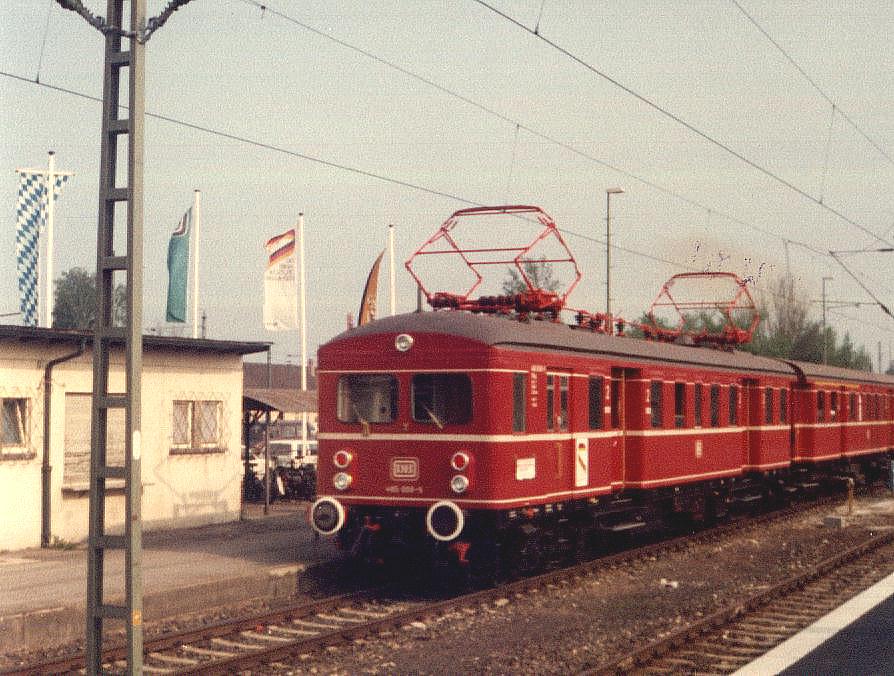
(43, 591)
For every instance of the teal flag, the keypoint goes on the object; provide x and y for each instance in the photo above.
(178, 270)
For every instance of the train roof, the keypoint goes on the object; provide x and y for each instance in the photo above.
(511, 333)
(812, 371)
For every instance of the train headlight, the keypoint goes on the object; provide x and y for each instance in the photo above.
(459, 461)
(459, 484)
(342, 481)
(342, 458)
(403, 342)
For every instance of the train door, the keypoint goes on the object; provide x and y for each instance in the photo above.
(558, 421)
(622, 401)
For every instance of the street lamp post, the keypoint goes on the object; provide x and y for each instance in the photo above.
(608, 245)
(825, 340)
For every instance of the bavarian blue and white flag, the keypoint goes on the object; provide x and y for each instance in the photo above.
(31, 216)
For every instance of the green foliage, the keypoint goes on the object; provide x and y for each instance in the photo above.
(787, 332)
(539, 272)
(75, 301)
(59, 543)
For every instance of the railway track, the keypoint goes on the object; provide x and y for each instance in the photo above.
(280, 635)
(728, 640)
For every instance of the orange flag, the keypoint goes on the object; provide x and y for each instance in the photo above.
(368, 304)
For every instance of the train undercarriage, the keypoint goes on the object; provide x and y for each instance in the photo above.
(511, 543)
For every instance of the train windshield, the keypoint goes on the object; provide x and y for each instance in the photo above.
(367, 398)
(442, 398)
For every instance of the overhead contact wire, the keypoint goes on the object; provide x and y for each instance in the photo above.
(687, 125)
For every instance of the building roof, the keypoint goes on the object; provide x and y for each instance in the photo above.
(279, 399)
(10, 333)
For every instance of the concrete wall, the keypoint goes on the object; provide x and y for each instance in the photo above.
(178, 489)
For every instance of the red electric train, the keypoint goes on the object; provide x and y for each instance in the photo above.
(509, 437)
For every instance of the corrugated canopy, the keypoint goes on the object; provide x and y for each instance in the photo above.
(285, 400)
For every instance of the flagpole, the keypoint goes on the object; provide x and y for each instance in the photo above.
(197, 220)
(302, 327)
(50, 185)
(391, 266)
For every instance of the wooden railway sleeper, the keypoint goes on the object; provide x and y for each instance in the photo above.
(207, 652)
(173, 659)
(257, 636)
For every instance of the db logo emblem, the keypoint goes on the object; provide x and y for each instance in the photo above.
(404, 469)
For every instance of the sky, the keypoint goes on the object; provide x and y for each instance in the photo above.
(732, 156)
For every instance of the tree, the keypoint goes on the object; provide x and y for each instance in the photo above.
(75, 301)
(787, 332)
(539, 272)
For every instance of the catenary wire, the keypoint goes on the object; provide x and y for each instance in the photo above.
(813, 83)
(265, 9)
(688, 125)
(387, 179)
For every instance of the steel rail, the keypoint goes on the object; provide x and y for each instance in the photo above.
(232, 627)
(655, 650)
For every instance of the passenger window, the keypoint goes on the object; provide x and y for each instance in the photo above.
(679, 404)
(597, 406)
(563, 403)
(655, 402)
(550, 401)
(615, 403)
(833, 406)
(715, 405)
(783, 406)
(820, 406)
(852, 407)
(442, 398)
(366, 398)
(733, 405)
(768, 405)
(698, 405)
(519, 399)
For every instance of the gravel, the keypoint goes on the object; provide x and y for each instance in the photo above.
(577, 625)
(567, 628)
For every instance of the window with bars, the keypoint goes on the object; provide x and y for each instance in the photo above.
(196, 427)
(15, 437)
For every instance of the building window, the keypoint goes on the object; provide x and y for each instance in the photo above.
(597, 406)
(15, 438)
(715, 405)
(698, 405)
(820, 406)
(442, 398)
(783, 406)
(76, 455)
(366, 398)
(655, 402)
(196, 427)
(768, 405)
(519, 397)
(679, 404)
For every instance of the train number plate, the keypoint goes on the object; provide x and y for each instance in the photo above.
(404, 469)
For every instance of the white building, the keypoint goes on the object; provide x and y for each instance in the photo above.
(191, 433)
